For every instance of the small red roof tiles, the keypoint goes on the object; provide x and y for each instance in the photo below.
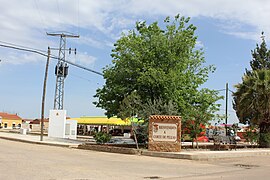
(35, 121)
(9, 116)
(164, 117)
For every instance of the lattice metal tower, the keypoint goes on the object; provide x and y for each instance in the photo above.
(61, 69)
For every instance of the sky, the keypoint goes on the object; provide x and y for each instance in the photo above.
(227, 31)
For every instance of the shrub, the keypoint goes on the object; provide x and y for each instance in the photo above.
(252, 136)
(264, 140)
(102, 137)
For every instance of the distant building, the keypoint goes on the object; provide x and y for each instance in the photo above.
(10, 121)
(88, 125)
(34, 125)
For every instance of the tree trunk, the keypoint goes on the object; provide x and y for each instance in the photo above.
(264, 139)
(196, 139)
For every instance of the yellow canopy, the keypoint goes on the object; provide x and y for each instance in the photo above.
(103, 121)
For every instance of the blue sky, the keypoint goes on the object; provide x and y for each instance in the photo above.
(227, 31)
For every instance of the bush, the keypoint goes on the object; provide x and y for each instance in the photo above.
(264, 140)
(186, 138)
(102, 137)
(141, 132)
(252, 136)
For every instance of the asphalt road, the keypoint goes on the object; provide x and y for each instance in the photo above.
(30, 161)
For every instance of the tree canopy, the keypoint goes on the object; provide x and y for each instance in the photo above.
(154, 64)
(260, 57)
(252, 96)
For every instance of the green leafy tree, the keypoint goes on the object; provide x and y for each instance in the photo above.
(255, 86)
(163, 67)
(158, 107)
(131, 106)
(260, 57)
(201, 111)
(128, 108)
(252, 102)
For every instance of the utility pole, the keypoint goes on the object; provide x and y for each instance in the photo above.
(226, 109)
(44, 94)
(61, 69)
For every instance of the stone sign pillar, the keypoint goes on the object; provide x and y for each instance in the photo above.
(164, 133)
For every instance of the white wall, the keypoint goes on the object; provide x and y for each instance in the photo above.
(57, 123)
(71, 129)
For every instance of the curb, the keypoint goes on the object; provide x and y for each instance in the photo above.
(40, 143)
(198, 156)
(207, 156)
(109, 149)
(167, 155)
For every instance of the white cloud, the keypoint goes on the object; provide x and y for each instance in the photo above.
(85, 59)
(90, 41)
(232, 13)
(17, 58)
(246, 35)
(101, 22)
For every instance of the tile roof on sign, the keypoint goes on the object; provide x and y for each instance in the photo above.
(164, 117)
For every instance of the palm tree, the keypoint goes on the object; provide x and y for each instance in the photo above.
(252, 102)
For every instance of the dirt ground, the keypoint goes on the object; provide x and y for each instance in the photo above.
(31, 161)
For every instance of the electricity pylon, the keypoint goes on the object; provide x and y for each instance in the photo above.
(61, 69)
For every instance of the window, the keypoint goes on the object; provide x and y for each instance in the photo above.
(67, 131)
(5, 125)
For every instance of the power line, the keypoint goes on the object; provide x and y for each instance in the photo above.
(23, 47)
(221, 90)
(39, 13)
(82, 67)
(80, 77)
(58, 8)
(78, 16)
(224, 90)
(233, 111)
(51, 56)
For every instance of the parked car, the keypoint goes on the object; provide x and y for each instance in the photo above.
(116, 132)
(203, 139)
(237, 138)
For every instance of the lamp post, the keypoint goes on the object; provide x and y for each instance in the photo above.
(226, 111)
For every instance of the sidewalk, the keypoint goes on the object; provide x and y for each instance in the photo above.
(35, 139)
(184, 154)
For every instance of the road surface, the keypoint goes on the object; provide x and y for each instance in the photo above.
(30, 161)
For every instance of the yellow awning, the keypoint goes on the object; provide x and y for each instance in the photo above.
(102, 121)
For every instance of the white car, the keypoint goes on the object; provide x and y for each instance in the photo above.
(237, 138)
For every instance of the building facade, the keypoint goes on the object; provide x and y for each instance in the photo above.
(10, 121)
(34, 125)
